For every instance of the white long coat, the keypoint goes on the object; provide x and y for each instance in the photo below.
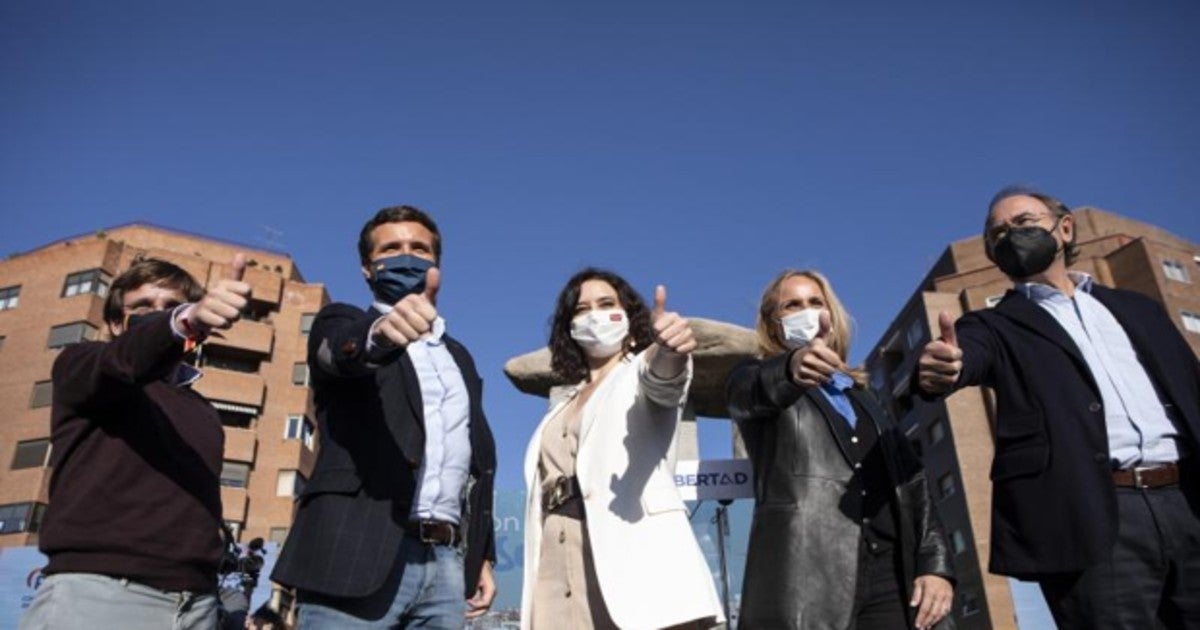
(648, 564)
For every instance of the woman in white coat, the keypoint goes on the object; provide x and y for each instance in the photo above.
(607, 539)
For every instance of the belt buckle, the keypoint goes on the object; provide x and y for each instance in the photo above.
(1137, 478)
(560, 492)
(426, 526)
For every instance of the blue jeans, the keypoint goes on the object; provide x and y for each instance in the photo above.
(84, 601)
(426, 590)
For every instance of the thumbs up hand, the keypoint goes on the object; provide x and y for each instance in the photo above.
(671, 332)
(816, 363)
(413, 316)
(222, 305)
(941, 361)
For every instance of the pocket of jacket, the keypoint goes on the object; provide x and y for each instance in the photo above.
(1020, 462)
(335, 481)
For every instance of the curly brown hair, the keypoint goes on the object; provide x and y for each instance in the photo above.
(567, 359)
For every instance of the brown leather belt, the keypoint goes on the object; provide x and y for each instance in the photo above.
(433, 532)
(1156, 477)
(559, 492)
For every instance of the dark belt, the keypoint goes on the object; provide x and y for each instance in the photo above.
(1156, 477)
(559, 493)
(433, 532)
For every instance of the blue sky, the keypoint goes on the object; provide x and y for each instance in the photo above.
(703, 145)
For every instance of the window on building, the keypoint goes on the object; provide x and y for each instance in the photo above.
(68, 334)
(231, 359)
(300, 374)
(1175, 270)
(970, 604)
(90, 281)
(31, 454)
(299, 428)
(21, 517)
(958, 540)
(306, 322)
(43, 395)
(290, 483)
(235, 474)
(277, 535)
(937, 431)
(1191, 321)
(235, 416)
(993, 300)
(946, 485)
(235, 419)
(915, 334)
(9, 296)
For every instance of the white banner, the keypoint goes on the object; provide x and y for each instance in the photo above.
(714, 479)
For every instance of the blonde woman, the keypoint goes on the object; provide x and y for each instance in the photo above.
(607, 539)
(845, 534)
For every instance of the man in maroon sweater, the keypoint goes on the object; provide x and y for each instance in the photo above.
(132, 529)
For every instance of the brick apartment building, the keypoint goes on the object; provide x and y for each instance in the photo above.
(255, 373)
(955, 434)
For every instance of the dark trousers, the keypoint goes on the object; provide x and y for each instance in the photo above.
(1152, 577)
(879, 601)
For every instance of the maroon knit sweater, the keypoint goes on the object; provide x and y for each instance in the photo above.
(135, 491)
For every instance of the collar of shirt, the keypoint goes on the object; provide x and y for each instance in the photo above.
(435, 335)
(839, 383)
(1040, 292)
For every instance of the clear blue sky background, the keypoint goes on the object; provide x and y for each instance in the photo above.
(704, 145)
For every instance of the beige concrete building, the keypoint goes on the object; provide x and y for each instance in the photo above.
(955, 434)
(255, 373)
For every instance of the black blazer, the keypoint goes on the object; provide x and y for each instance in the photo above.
(1053, 499)
(349, 521)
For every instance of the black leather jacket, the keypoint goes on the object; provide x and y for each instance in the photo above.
(802, 562)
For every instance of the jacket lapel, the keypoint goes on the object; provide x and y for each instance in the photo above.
(1025, 312)
(831, 415)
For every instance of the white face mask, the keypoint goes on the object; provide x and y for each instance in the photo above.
(801, 327)
(600, 332)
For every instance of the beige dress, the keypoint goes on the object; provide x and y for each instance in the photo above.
(566, 593)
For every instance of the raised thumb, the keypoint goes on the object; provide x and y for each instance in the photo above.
(237, 267)
(825, 325)
(433, 282)
(660, 300)
(946, 329)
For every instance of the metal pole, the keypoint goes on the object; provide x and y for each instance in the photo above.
(722, 521)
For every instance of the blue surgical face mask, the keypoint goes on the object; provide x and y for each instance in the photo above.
(394, 277)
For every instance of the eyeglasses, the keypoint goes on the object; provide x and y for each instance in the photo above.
(1025, 219)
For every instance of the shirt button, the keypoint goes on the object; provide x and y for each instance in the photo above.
(857, 465)
(562, 537)
(854, 440)
(568, 593)
(866, 520)
(864, 493)
(873, 546)
(1094, 407)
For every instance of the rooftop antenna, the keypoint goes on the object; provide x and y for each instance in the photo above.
(271, 238)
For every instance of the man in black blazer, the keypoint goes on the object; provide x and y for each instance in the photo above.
(395, 527)
(1097, 415)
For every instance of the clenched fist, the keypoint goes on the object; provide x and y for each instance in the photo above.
(412, 317)
(222, 305)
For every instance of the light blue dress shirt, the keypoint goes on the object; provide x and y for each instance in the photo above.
(1139, 431)
(446, 405)
(835, 393)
